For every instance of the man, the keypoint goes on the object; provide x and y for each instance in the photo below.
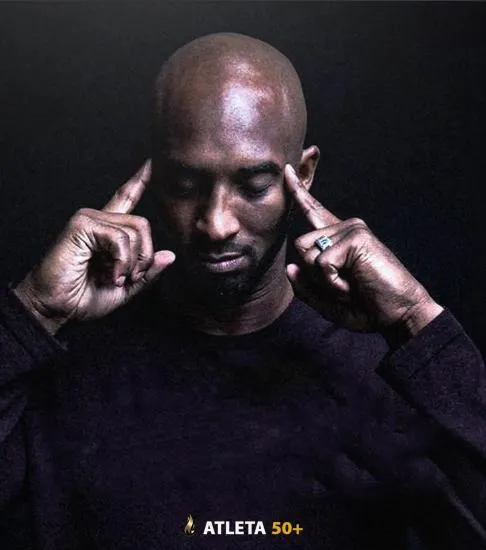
(216, 393)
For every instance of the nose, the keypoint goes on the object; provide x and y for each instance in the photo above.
(217, 218)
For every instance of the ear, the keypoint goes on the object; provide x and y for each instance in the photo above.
(308, 164)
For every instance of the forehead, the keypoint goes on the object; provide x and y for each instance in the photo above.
(240, 124)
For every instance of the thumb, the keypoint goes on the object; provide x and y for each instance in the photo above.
(162, 260)
(302, 287)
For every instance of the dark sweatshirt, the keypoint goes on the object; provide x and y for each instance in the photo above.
(113, 442)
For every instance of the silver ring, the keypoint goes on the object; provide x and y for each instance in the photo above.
(323, 243)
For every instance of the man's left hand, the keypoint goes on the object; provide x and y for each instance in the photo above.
(355, 281)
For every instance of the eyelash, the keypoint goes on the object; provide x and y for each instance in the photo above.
(185, 188)
(255, 193)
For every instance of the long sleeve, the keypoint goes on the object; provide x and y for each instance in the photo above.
(441, 373)
(24, 347)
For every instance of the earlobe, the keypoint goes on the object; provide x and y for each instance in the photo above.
(308, 165)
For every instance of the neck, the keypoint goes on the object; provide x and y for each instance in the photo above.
(264, 305)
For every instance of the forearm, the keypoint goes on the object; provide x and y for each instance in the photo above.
(24, 347)
(25, 343)
(441, 373)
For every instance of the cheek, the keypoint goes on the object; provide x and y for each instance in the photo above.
(265, 217)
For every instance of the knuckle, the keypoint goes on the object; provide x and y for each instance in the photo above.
(299, 243)
(144, 234)
(119, 236)
(360, 233)
(130, 232)
(321, 260)
(358, 223)
(146, 255)
(144, 261)
(143, 224)
(80, 216)
(84, 212)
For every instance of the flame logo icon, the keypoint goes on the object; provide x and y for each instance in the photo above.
(189, 528)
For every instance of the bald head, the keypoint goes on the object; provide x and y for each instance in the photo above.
(237, 82)
(229, 114)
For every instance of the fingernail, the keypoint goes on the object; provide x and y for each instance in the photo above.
(171, 257)
(121, 280)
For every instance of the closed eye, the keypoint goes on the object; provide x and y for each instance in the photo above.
(256, 188)
(256, 181)
(186, 181)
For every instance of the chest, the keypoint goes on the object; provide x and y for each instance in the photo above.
(142, 447)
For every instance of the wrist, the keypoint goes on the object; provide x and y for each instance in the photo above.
(412, 322)
(27, 296)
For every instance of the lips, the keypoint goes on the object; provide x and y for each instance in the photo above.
(216, 258)
(223, 263)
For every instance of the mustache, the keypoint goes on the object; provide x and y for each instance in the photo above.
(221, 249)
(206, 246)
(199, 244)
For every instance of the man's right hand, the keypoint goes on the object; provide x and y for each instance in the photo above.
(99, 262)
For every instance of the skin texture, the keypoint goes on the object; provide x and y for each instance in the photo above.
(224, 128)
(100, 261)
(227, 165)
(357, 282)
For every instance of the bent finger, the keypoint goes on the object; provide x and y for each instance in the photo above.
(138, 224)
(161, 261)
(115, 242)
(304, 287)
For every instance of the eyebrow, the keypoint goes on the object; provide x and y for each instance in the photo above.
(266, 167)
(189, 168)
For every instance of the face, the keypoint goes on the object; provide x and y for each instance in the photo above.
(219, 184)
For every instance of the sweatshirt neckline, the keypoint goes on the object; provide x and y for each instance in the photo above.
(267, 333)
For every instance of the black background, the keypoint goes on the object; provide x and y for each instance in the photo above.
(396, 96)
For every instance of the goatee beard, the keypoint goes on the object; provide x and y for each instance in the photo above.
(216, 292)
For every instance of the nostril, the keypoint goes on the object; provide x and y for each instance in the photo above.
(218, 223)
(218, 213)
(218, 227)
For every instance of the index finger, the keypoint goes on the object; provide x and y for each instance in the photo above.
(316, 214)
(128, 195)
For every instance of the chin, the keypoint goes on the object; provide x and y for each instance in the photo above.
(223, 290)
